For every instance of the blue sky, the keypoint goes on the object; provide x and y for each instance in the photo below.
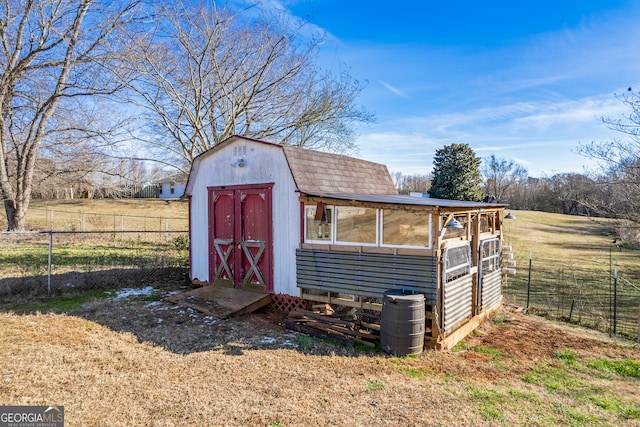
(523, 80)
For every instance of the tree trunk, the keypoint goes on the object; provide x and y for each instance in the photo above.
(14, 222)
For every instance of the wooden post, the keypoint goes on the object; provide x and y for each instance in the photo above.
(437, 245)
(475, 260)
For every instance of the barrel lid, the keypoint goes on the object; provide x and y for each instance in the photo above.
(402, 294)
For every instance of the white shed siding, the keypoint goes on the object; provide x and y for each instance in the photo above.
(264, 164)
(178, 190)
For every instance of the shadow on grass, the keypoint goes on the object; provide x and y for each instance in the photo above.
(177, 328)
(24, 290)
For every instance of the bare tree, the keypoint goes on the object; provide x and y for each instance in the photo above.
(52, 54)
(206, 73)
(568, 191)
(500, 175)
(619, 160)
(406, 184)
(618, 152)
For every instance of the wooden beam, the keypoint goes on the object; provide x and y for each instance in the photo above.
(342, 301)
(444, 226)
(475, 261)
(459, 334)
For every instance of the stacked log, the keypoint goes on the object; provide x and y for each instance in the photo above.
(330, 326)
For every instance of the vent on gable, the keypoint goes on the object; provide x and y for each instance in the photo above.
(239, 156)
(240, 151)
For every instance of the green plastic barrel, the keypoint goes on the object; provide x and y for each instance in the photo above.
(402, 323)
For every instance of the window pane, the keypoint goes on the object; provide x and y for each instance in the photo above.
(457, 262)
(490, 253)
(405, 228)
(356, 225)
(486, 223)
(317, 229)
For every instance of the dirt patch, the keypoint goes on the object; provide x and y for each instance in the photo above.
(516, 343)
(183, 330)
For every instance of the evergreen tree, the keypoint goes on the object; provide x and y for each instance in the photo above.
(456, 174)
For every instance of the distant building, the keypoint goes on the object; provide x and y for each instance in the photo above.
(170, 188)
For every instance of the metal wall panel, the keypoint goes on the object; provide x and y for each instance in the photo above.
(491, 290)
(366, 274)
(457, 301)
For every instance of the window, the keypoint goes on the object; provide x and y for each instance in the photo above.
(356, 225)
(172, 188)
(405, 228)
(457, 262)
(490, 255)
(318, 227)
(488, 223)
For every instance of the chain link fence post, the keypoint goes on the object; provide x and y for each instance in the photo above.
(49, 264)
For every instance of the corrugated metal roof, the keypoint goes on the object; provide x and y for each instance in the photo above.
(407, 200)
(319, 172)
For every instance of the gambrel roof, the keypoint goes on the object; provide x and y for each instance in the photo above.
(316, 172)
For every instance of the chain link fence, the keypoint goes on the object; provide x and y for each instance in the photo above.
(45, 263)
(119, 226)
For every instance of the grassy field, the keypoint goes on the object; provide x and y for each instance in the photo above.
(567, 241)
(105, 214)
(97, 244)
(572, 258)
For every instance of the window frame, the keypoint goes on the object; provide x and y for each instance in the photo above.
(388, 245)
(446, 269)
(349, 243)
(379, 229)
(494, 258)
(331, 239)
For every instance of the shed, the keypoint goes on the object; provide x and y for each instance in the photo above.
(170, 188)
(313, 226)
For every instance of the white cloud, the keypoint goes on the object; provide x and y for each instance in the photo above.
(393, 89)
(542, 136)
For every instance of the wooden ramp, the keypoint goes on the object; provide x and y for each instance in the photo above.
(221, 302)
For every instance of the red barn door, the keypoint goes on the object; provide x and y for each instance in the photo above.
(240, 234)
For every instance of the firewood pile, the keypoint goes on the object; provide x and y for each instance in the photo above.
(322, 322)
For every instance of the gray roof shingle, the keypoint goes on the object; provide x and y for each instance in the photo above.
(318, 172)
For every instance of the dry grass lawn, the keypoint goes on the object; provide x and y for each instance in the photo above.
(99, 214)
(143, 362)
